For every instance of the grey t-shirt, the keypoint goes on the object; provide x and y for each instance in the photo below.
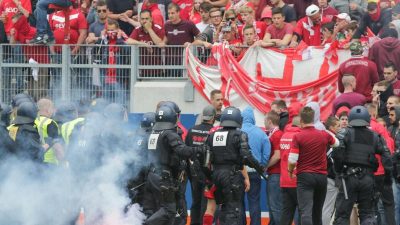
(96, 28)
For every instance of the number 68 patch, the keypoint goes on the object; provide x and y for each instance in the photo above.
(152, 144)
(220, 138)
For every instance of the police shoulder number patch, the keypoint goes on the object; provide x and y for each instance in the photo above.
(152, 145)
(220, 138)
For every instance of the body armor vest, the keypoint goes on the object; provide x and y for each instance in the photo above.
(360, 150)
(225, 147)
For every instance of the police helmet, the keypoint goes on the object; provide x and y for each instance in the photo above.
(166, 118)
(171, 104)
(148, 120)
(359, 117)
(231, 117)
(98, 105)
(20, 98)
(66, 112)
(26, 113)
(115, 111)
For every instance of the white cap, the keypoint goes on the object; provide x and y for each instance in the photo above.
(312, 10)
(343, 16)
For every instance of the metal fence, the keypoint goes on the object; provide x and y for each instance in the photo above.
(70, 72)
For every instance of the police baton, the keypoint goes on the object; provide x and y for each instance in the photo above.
(346, 196)
(138, 186)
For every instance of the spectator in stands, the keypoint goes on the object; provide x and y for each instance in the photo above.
(386, 49)
(8, 8)
(230, 18)
(394, 118)
(248, 17)
(363, 70)
(341, 22)
(380, 94)
(349, 96)
(354, 8)
(156, 14)
(229, 36)
(308, 29)
(271, 123)
(279, 106)
(177, 32)
(375, 20)
(97, 27)
(327, 33)
(209, 35)
(205, 8)
(266, 16)
(390, 75)
(343, 118)
(195, 15)
(92, 15)
(288, 12)
(261, 149)
(249, 33)
(148, 34)
(280, 33)
(327, 10)
(120, 9)
(114, 79)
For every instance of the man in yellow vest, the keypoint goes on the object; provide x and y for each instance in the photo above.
(49, 133)
(25, 135)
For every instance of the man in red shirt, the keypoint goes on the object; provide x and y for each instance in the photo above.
(248, 17)
(326, 10)
(390, 75)
(363, 69)
(349, 96)
(280, 33)
(309, 154)
(148, 34)
(273, 187)
(308, 28)
(288, 185)
(8, 8)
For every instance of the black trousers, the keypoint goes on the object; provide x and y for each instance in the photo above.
(386, 196)
(311, 192)
(199, 202)
(230, 188)
(289, 205)
(360, 189)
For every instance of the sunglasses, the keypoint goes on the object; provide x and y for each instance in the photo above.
(231, 18)
(102, 11)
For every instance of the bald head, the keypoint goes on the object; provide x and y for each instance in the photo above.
(46, 107)
(349, 80)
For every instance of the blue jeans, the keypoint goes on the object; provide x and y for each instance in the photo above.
(253, 198)
(396, 193)
(42, 9)
(274, 199)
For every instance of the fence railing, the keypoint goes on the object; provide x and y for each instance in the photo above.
(72, 72)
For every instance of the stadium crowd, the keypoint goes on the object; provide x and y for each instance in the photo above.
(294, 146)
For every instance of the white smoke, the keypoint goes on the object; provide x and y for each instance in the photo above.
(55, 195)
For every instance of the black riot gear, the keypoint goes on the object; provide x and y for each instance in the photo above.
(66, 112)
(19, 98)
(26, 113)
(148, 120)
(6, 111)
(359, 117)
(231, 117)
(115, 111)
(172, 105)
(166, 118)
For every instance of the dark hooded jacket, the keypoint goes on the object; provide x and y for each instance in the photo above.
(375, 26)
(387, 49)
(283, 120)
(395, 126)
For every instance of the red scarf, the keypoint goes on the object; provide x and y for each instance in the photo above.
(111, 76)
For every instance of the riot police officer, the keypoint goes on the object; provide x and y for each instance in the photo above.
(230, 152)
(166, 148)
(355, 164)
(6, 143)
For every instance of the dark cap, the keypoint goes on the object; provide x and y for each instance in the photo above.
(372, 6)
(209, 112)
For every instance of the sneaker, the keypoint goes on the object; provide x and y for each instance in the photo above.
(39, 39)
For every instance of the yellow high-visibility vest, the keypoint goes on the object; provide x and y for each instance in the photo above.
(68, 127)
(42, 123)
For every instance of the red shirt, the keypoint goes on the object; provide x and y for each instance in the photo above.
(152, 56)
(261, 27)
(365, 72)
(380, 129)
(186, 7)
(329, 12)
(195, 17)
(140, 35)
(275, 139)
(9, 7)
(77, 21)
(280, 33)
(156, 14)
(311, 33)
(396, 87)
(286, 144)
(311, 144)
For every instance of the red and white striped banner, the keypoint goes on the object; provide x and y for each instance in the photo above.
(263, 75)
